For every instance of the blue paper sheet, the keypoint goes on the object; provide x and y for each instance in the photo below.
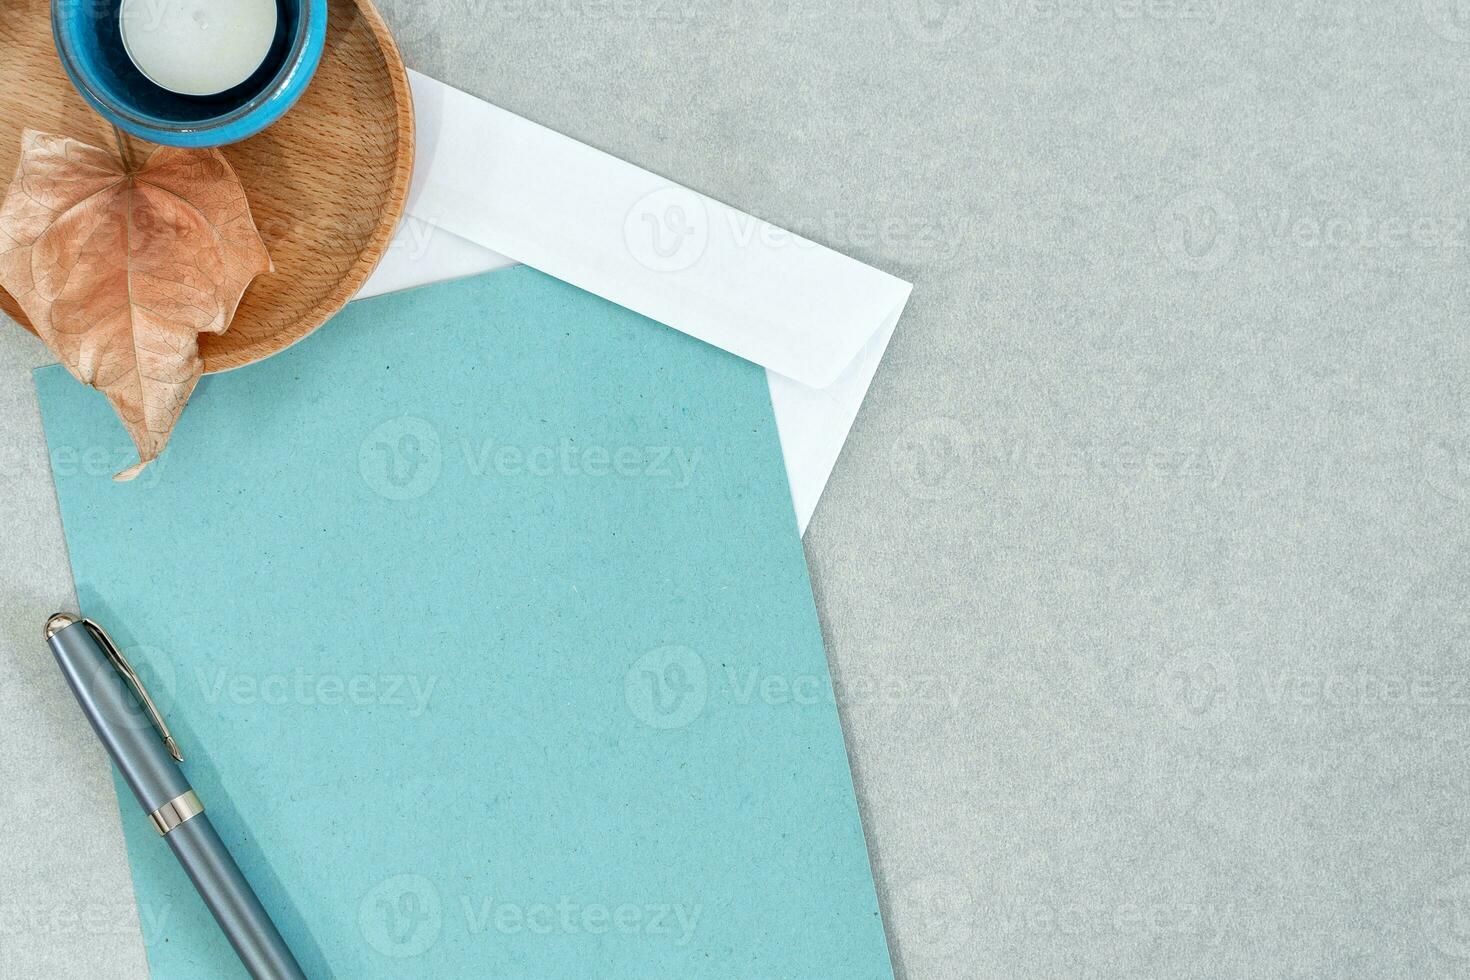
(482, 620)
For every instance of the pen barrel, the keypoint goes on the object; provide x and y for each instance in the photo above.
(120, 722)
(231, 900)
(137, 749)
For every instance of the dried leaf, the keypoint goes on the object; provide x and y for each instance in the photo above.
(120, 269)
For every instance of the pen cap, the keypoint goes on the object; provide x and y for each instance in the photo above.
(120, 721)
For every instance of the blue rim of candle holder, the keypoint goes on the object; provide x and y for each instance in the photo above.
(263, 109)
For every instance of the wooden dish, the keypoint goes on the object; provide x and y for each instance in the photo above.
(327, 183)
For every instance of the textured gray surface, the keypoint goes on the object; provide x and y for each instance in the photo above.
(66, 901)
(1146, 572)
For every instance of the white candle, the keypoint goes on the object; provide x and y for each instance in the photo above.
(198, 47)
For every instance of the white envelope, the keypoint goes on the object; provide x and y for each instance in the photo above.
(491, 189)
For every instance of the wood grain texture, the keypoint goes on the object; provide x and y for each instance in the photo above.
(327, 183)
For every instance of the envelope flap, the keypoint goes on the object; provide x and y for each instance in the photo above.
(616, 230)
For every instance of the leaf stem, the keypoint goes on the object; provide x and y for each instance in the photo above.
(122, 150)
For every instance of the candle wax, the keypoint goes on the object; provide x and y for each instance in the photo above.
(198, 47)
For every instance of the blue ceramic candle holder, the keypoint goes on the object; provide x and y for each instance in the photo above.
(89, 41)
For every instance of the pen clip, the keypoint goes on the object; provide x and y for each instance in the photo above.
(131, 676)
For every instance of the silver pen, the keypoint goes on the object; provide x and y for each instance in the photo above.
(148, 756)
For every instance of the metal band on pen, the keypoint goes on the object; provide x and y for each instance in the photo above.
(175, 812)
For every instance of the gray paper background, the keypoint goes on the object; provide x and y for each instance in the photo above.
(1145, 573)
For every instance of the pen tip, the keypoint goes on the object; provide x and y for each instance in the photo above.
(59, 622)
